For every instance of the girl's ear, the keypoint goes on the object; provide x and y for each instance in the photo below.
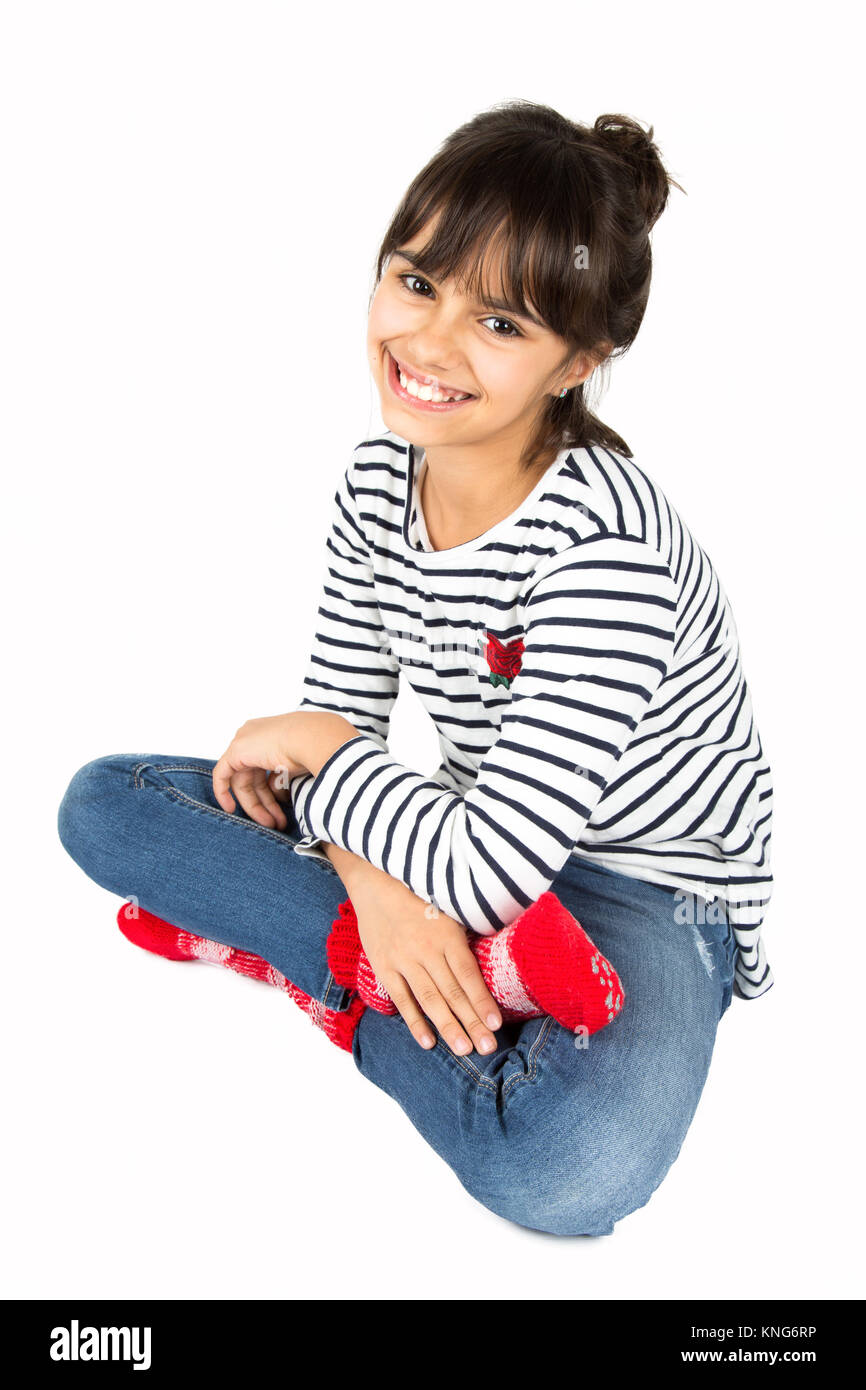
(583, 364)
(577, 370)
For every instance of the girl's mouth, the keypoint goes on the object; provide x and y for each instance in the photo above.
(420, 395)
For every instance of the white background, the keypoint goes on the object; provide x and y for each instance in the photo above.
(193, 198)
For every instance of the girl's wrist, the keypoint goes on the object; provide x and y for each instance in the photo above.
(351, 868)
(313, 736)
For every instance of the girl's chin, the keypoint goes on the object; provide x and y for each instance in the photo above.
(403, 418)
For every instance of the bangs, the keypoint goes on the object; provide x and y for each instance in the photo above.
(512, 256)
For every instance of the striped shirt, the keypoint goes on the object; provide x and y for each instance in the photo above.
(581, 665)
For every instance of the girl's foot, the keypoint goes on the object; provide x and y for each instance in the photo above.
(153, 934)
(543, 963)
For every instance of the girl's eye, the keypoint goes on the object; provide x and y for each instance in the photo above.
(514, 333)
(510, 329)
(409, 275)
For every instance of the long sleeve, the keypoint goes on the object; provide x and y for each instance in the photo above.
(599, 622)
(351, 669)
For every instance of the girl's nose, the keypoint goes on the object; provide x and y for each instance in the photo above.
(432, 353)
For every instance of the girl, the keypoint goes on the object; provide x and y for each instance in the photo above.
(540, 939)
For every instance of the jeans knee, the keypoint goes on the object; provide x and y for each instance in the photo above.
(83, 816)
(582, 1189)
(576, 1212)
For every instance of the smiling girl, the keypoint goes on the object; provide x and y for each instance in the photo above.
(530, 949)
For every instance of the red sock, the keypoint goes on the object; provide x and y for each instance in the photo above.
(153, 934)
(543, 963)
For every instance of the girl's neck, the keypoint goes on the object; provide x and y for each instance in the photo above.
(461, 501)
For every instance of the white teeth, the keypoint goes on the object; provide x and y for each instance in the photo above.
(424, 392)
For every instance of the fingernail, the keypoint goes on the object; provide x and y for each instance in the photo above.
(487, 1044)
(426, 1040)
(462, 1046)
(494, 1021)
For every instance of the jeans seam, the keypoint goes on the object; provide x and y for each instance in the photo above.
(177, 795)
(482, 1081)
(166, 767)
(487, 1083)
(332, 984)
(532, 1056)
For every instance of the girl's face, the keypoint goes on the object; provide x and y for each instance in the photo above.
(452, 370)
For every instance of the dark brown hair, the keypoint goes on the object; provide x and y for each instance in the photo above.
(523, 178)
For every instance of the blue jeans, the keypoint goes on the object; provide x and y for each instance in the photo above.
(545, 1132)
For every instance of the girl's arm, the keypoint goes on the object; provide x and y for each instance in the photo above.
(599, 640)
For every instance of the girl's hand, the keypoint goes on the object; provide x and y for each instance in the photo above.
(423, 959)
(257, 767)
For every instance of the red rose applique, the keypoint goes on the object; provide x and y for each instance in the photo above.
(503, 658)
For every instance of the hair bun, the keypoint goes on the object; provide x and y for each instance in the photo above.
(634, 145)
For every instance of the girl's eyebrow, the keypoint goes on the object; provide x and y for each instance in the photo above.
(499, 306)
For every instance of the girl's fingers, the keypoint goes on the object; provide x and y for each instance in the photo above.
(468, 974)
(251, 791)
(250, 803)
(270, 804)
(232, 774)
(404, 1001)
(461, 1005)
(431, 1000)
(222, 777)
